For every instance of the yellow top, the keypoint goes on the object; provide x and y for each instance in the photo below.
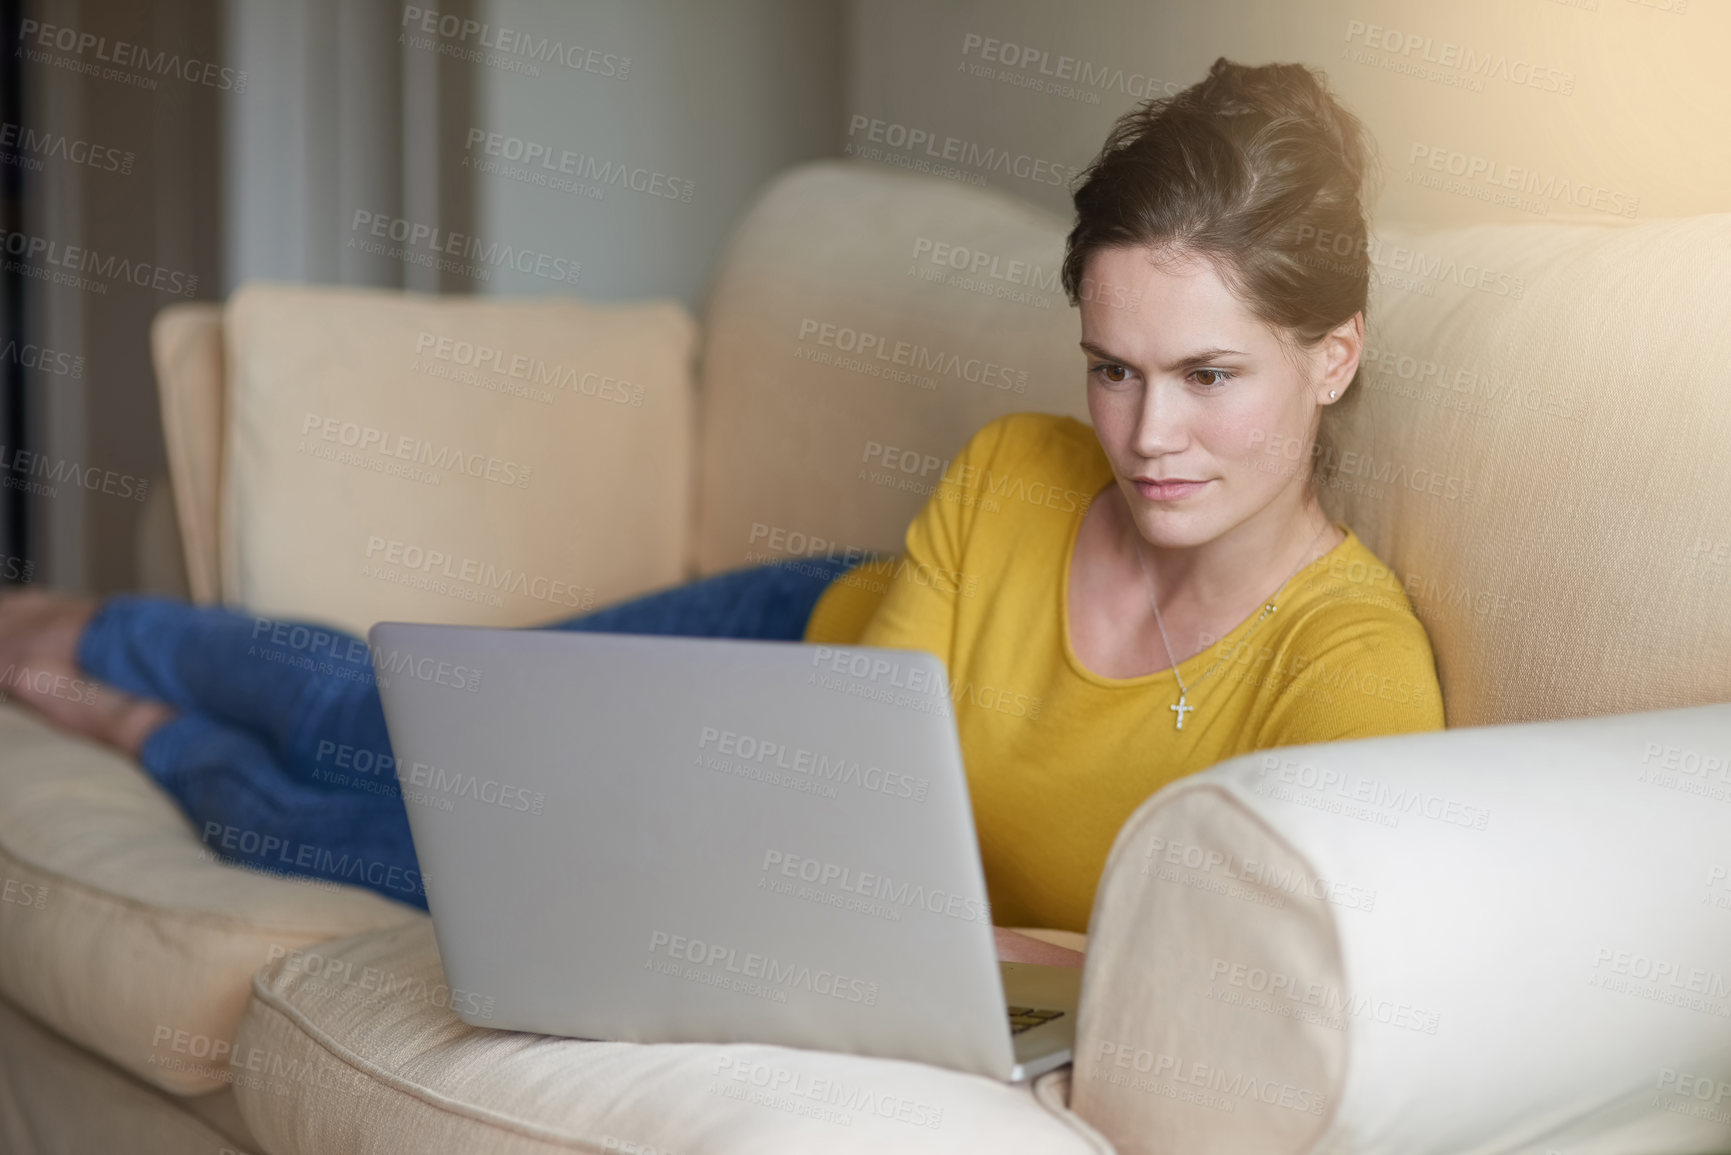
(1058, 756)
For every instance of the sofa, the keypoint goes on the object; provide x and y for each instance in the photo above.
(1510, 935)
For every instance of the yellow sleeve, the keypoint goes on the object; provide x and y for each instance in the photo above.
(908, 600)
(1367, 675)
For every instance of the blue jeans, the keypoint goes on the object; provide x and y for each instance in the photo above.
(279, 755)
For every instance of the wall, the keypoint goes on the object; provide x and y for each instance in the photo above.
(1619, 104)
(695, 104)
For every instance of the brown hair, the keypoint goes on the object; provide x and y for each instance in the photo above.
(1257, 170)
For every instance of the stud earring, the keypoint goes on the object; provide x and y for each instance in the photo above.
(1331, 392)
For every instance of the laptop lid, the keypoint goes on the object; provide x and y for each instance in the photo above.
(658, 839)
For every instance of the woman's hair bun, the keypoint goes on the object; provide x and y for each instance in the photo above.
(1280, 92)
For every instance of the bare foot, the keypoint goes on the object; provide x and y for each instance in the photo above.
(39, 634)
(43, 626)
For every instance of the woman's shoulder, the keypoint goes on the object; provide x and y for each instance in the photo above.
(1030, 430)
(1352, 582)
(1015, 449)
(1352, 609)
(1357, 659)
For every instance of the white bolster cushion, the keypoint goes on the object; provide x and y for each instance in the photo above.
(1499, 938)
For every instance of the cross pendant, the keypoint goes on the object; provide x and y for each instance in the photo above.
(1180, 709)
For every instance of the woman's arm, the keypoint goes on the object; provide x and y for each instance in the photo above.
(1013, 946)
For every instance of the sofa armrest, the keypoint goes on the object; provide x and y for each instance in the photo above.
(1474, 939)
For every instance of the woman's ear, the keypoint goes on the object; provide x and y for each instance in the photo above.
(1337, 359)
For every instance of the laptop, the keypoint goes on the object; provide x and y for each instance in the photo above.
(665, 839)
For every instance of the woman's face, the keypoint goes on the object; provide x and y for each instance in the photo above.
(1184, 382)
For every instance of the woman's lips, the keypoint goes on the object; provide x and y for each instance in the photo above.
(1167, 490)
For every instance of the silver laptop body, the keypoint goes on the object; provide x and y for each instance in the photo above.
(665, 839)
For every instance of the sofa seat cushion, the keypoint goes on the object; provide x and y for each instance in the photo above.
(355, 1047)
(117, 927)
(47, 1086)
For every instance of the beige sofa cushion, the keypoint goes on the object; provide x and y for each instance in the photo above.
(118, 929)
(1541, 453)
(1539, 449)
(355, 1048)
(186, 349)
(847, 357)
(457, 459)
(56, 1098)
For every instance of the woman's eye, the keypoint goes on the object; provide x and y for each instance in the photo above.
(1216, 377)
(1113, 373)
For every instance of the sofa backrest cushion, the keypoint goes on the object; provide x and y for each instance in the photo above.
(1542, 453)
(186, 351)
(452, 459)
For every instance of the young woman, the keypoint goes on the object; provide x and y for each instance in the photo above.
(1135, 601)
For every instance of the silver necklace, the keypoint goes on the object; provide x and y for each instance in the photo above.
(1268, 607)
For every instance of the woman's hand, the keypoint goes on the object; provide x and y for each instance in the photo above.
(1014, 947)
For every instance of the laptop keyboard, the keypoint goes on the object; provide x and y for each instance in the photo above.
(1027, 1018)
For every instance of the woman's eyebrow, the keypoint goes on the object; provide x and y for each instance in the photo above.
(1201, 357)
